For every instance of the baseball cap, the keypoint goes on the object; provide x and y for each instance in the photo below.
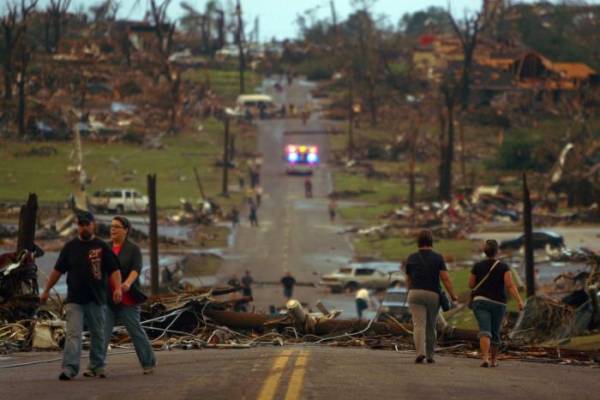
(85, 216)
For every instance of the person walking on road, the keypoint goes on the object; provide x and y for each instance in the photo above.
(258, 191)
(288, 283)
(424, 269)
(128, 311)
(489, 280)
(332, 209)
(308, 193)
(89, 263)
(253, 216)
(247, 282)
(363, 299)
(235, 216)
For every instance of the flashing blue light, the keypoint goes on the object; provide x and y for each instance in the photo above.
(312, 158)
(293, 157)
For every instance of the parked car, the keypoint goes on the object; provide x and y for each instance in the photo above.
(395, 303)
(372, 275)
(119, 201)
(541, 240)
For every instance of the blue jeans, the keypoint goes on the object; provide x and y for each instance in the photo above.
(94, 315)
(489, 316)
(129, 316)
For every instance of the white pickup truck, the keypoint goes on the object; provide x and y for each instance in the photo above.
(119, 201)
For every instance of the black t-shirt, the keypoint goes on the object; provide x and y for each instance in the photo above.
(493, 287)
(288, 282)
(88, 265)
(423, 268)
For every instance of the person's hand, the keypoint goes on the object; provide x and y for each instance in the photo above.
(44, 297)
(520, 305)
(125, 287)
(117, 296)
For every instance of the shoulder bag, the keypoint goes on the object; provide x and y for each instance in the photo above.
(470, 305)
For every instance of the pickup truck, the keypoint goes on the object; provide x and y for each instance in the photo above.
(119, 201)
(372, 275)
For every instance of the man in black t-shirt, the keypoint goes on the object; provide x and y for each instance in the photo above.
(88, 263)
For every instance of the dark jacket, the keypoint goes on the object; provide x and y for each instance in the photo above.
(130, 259)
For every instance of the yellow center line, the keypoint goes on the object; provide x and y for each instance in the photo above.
(270, 386)
(295, 385)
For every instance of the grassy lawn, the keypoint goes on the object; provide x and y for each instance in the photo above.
(226, 83)
(122, 165)
(398, 248)
(581, 343)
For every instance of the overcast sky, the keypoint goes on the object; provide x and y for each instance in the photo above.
(278, 17)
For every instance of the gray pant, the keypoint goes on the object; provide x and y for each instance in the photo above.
(93, 314)
(129, 316)
(424, 306)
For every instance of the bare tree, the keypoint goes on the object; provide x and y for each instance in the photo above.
(56, 19)
(456, 91)
(106, 10)
(240, 44)
(13, 25)
(164, 31)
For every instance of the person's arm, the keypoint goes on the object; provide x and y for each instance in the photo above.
(472, 280)
(52, 279)
(133, 275)
(136, 267)
(448, 285)
(512, 288)
(115, 279)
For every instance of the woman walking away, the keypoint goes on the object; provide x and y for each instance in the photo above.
(423, 272)
(489, 280)
(128, 312)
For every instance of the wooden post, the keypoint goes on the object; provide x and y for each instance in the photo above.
(27, 219)
(528, 231)
(225, 190)
(199, 182)
(153, 234)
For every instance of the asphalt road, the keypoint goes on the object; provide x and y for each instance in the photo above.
(295, 235)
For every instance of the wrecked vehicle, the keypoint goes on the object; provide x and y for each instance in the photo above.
(395, 303)
(372, 275)
(119, 201)
(541, 240)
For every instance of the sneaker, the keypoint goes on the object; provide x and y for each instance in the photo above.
(90, 373)
(64, 377)
(419, 359)
(148, 371)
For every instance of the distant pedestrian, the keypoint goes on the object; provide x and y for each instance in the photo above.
(332, 209)
(89, 263)
(363, 299)
(247, 282)
(253, 216)
(234, 281)
(235, 216)
(128, 311)
(288, 283)
(489, 281)
(258, 191)
(241, 181)
(423, 272)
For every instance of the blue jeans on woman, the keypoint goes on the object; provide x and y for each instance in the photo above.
(489, 316)
(129, 316)
(94, 316)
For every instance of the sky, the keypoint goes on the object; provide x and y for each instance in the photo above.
(278, 17)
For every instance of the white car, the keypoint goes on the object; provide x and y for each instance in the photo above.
(119, 201)
(372, 275)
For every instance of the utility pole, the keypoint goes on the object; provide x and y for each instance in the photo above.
(152, 214)
(240, 40)
(225, 190)
(27, 219)
(528, 228)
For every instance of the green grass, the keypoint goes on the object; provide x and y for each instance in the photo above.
(398, 248)
(122, 165)
(225, 83)
(581, 343)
